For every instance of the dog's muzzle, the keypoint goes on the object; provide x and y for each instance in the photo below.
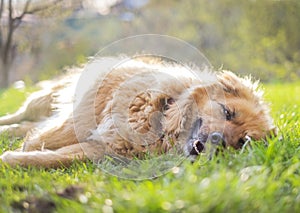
(214, 139)
(199, 142)
(196, 146)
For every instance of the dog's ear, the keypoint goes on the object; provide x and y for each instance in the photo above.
(239, 87)
(229, 82)
(202, 94)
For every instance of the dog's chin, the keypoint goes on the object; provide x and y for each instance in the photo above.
(192, 158)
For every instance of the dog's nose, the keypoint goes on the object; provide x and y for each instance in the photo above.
(214, 141)
(216, 138)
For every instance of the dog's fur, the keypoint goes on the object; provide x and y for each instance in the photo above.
(143, 105)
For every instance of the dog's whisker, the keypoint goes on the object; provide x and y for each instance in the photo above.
(265, 142)
(43, 146)
(248, 140)
(24, 147)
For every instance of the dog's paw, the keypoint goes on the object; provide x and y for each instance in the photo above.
(7, 157)
(13, 158)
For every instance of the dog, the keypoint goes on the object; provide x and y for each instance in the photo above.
(139, 105)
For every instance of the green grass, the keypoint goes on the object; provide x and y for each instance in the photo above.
(259, 179)
(9, 104)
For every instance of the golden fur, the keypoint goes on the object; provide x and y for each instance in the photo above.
(138, 107)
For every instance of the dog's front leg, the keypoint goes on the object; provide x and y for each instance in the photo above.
(52, 139)
(54, 159)
(17, 130)
(43, 159)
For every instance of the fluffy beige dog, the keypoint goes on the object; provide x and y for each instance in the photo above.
(143, 105)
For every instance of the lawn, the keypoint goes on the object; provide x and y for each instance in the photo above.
(257, 179)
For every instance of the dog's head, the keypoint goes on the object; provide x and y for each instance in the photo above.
(227, 113)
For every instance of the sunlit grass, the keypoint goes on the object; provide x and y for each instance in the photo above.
(260, 179)
(283, 96)
(11, 99)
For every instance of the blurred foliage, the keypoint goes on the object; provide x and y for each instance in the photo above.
(257, 37)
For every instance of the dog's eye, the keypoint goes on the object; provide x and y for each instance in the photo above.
(228, 114)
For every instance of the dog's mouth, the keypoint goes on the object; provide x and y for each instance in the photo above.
(198, 147)
(199, 142)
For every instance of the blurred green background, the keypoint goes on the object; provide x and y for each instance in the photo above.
(261, 38)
